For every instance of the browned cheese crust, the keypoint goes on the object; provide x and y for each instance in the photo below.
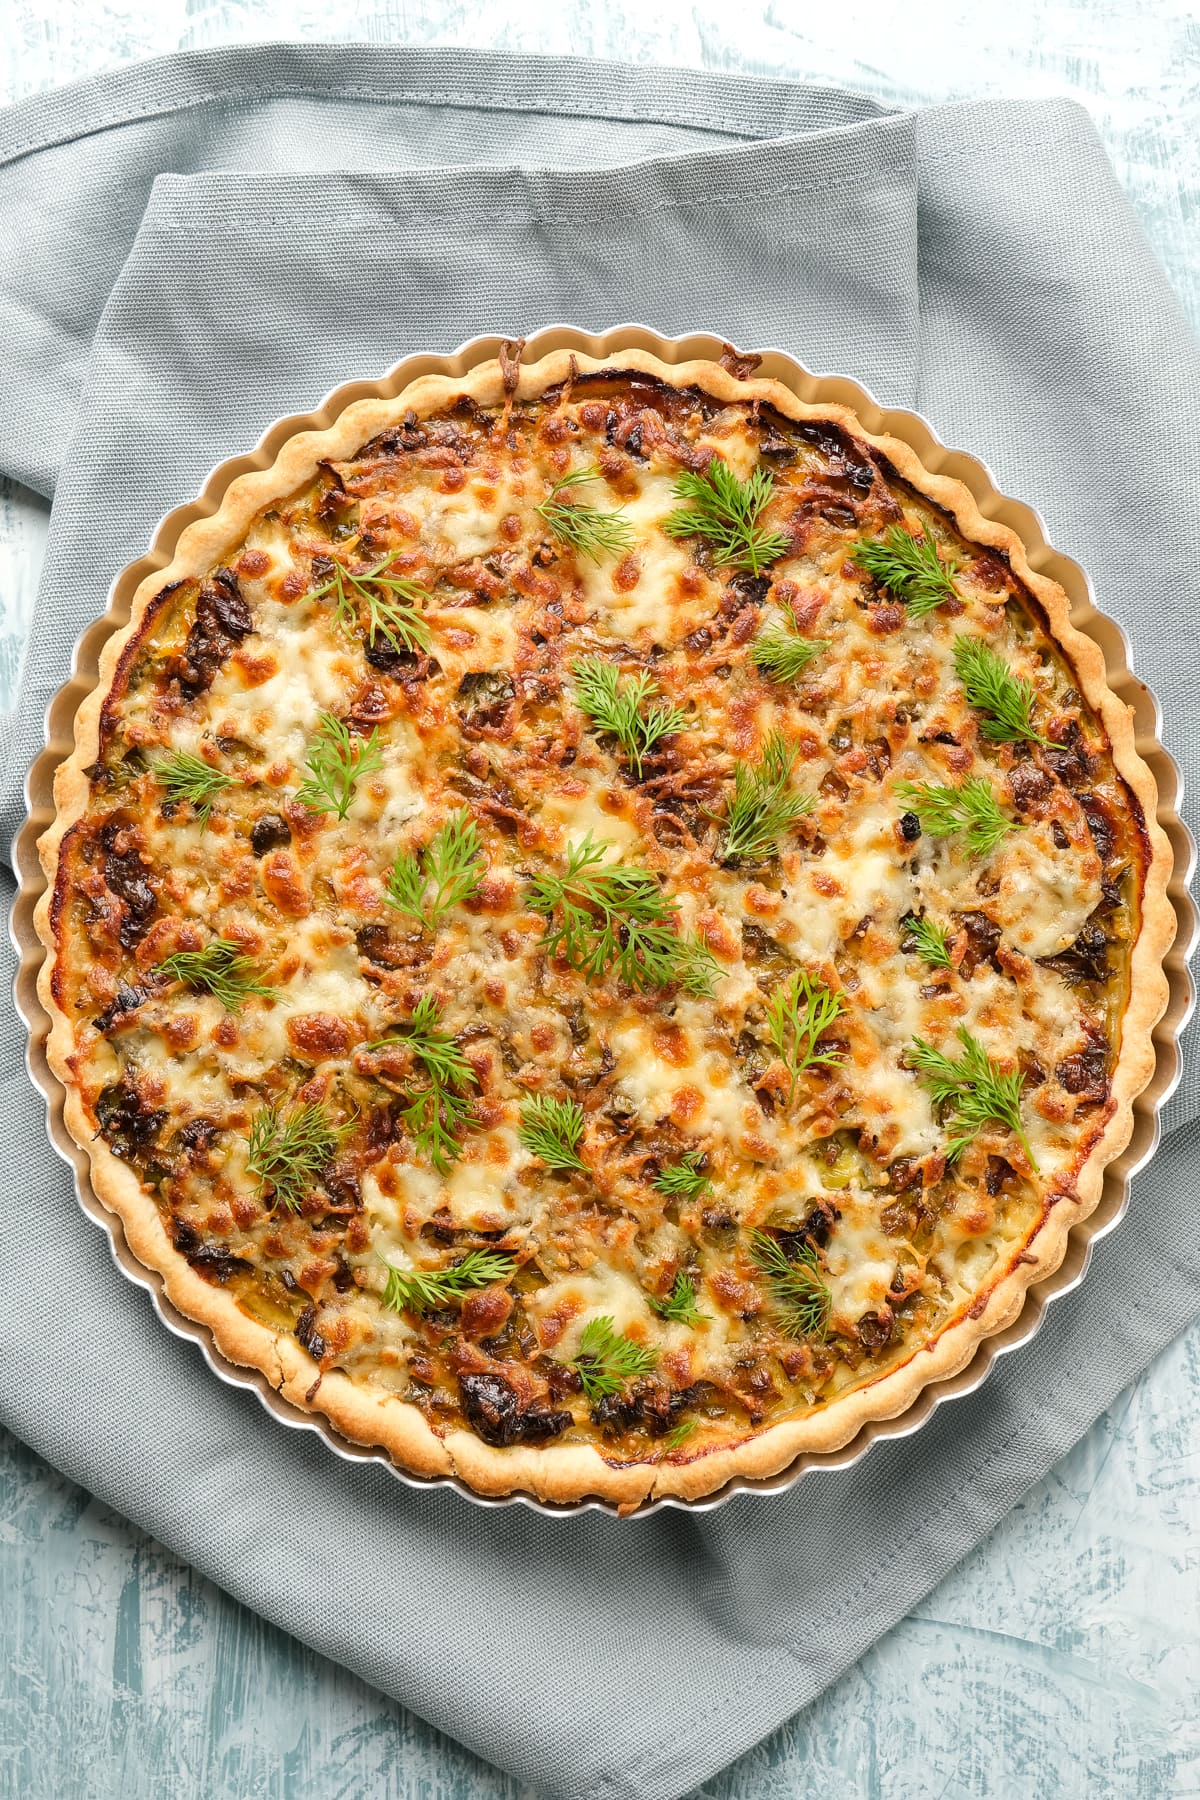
(572, 963)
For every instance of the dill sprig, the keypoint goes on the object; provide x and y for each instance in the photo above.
(437, 1113)
(727, 514)
(436, 1116)
(390, 602)
(696, 968)
(927, 938)
(583, 528)
(450, 862)
(613, 916)
(221, 969)
(763, 806)
(680, 1304)
(335, 761)
(553, 1130)
(974, 1090)
(290, 1149)
(970, 808)
(424, 1290)
(908, 567)
(607, 1359)
(798, 1012)
(617, 708)
(190, 778)
(684, 1177)
(1006, 700)
(435, 1049)
(800, 1296)
(781, 652)
(679, 1434)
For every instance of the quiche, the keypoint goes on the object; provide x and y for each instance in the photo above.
(602, 925)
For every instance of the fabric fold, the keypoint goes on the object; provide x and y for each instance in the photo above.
(197, 246)
(77, 165)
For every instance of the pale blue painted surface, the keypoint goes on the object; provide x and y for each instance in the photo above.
(1063, 1657)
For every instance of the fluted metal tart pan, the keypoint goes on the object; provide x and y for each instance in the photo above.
(937, 458)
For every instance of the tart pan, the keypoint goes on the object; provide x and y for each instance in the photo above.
(816, 389)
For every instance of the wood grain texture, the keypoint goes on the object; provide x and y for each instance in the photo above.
(1063, 1657)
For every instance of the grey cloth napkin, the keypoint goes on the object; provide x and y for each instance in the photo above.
(195, 246)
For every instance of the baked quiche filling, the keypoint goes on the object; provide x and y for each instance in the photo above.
(604, 917)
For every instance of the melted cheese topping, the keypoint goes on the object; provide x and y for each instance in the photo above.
(828, 1223)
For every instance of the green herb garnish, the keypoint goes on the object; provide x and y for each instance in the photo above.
(336, 760)
(437, 1113)
(437, 1116)
(424, 1290)
(291, 1149)
(434, 1048)
(801, 1297)
(974, 1090)
(583, 528)
(617, 708)
(799, 1010)
(908, 567)
(553, 1130)
(763, 806)
(684, 1177)
(613, 916)
(929, 939)
(390, 602)
(680, 1304)
(450, 862)
(727, 514)
(1006, 700)
(190, 778)
(222, 969)
(607, 1359)
(679, 1434)
(970, 808)
(781, 652)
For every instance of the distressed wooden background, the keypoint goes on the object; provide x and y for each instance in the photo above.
(1063, 1657)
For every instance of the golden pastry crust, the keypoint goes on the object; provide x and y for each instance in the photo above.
(626, 1468)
